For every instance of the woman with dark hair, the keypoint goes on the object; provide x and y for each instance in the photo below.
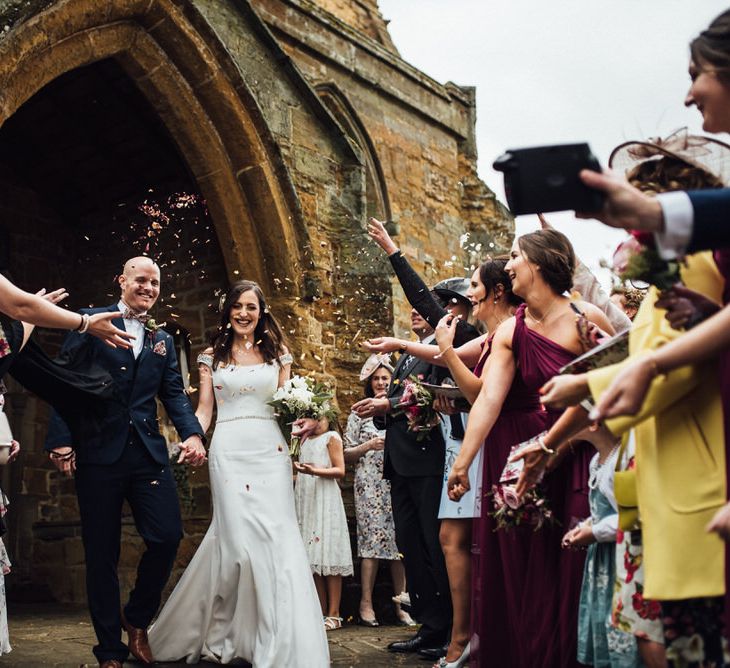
(527, 591)
(364, 444)
(247, 594)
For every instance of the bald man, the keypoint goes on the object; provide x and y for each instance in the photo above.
(128, 460)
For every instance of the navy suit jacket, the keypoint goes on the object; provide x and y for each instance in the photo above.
(711, 229)
(137, 382)
(404, 453)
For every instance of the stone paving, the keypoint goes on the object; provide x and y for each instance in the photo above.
(44, 636)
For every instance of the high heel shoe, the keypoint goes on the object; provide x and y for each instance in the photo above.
(368, 622)
(462, 661)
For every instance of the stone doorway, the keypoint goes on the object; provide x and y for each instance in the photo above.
(90, 176)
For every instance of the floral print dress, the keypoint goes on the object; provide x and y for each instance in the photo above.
(600, 644)
(374, 514)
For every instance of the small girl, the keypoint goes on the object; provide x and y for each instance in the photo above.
(600, 644)
(321, 513)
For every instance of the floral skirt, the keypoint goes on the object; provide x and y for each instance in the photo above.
(631, 611)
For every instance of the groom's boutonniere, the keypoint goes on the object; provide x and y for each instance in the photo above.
(151, 328)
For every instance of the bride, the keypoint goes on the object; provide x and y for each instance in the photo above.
(247, 594)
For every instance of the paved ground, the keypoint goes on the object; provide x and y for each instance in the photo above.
(45, 636)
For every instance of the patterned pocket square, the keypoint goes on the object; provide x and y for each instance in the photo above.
(160, 348)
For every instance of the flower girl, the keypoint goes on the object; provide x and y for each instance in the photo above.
(321, 513)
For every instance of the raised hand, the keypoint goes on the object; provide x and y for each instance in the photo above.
(380, 236)
(446, 330)
(625, 206)
(100, 326)
(685, 308)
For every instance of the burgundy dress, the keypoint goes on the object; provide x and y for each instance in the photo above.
(525, 588)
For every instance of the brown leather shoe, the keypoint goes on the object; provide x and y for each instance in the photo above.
(138, 644)
(111, 663)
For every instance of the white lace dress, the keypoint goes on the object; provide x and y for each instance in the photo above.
(321, 513)
(247, 594)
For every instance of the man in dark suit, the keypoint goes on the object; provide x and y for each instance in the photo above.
(127, 459)
(415, 470)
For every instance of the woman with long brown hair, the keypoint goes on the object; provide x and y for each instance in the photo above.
(247, 594)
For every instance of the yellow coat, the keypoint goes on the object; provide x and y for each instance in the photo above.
(680, 454)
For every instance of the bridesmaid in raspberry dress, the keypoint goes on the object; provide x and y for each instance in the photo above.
(525, 588)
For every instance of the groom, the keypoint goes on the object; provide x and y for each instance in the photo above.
(128, 460)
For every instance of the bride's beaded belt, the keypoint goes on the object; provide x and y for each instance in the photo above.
(246, 417)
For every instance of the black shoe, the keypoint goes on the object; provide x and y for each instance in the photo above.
(433, 653)
(411, 645)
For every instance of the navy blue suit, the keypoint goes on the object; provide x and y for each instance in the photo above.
(124, 457)
(711, 215)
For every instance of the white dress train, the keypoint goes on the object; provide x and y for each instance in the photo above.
(248, 593)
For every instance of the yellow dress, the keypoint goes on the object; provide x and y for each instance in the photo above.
(680, 454)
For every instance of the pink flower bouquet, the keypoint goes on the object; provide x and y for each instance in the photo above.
(416, 403)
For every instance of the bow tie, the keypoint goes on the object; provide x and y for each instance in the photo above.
(129, 314)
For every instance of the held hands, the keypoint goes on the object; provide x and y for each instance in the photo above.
(100, 326)
(625, 206)
(564, 391)
(370, 407)
(579, 537)
(685, 308)
(192, 451)
(380, 236)
(382, 344)
(64, 459)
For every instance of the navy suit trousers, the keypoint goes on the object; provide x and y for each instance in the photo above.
(150, 490)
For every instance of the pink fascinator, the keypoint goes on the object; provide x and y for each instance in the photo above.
(373, 362)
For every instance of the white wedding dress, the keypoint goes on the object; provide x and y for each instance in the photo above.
(248, 593)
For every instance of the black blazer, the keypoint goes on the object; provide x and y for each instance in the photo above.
(405, 455)
(711, 215)
(155, 373)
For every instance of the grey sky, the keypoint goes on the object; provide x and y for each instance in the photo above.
(560, 71)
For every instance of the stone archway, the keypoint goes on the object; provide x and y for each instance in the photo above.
(184, 72)
(175, 62)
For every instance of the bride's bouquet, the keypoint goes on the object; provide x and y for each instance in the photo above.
(301, 397)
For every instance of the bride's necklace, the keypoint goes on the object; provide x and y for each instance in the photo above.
(539, 321)
(593, 477)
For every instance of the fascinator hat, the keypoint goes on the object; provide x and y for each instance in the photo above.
(374, 362)
(706, 153)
